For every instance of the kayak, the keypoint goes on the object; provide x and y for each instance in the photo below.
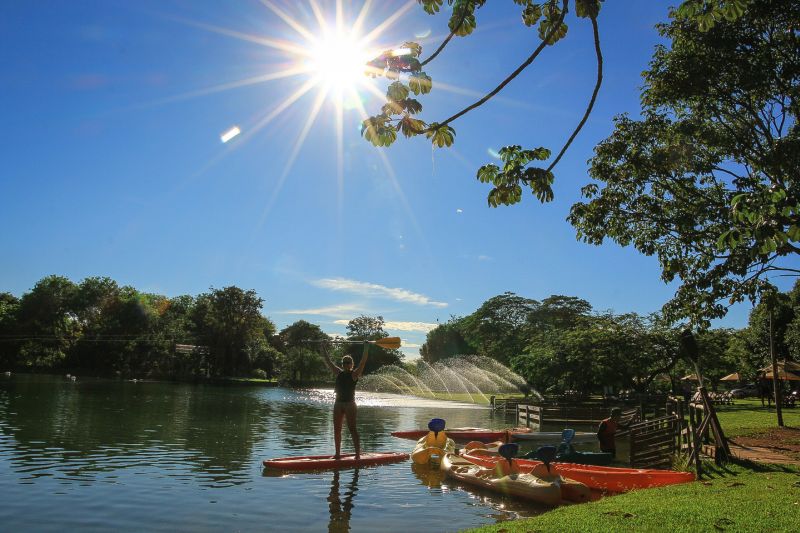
(586, 458)
(490, 435)
(606, 478)
(462, 434)
(431, 448)
(574, 456)
(466, 434)
(553, 437)
(324, 462)
(526, 486)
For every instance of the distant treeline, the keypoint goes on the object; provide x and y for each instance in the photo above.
(99, 327)
(560, 343)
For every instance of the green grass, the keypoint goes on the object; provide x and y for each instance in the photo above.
(747, 417)
(746, 497)
(735, 498)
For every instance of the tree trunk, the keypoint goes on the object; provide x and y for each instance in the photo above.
(776, 382)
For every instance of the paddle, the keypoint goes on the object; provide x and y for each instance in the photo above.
(388, 343)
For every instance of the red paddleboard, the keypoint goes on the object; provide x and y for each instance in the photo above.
(324, 462)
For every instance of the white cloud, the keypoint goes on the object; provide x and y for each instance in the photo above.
(485, 258)
(373, 289)
(459, 210)
(331, 310)
(407, 344)
(424, 327)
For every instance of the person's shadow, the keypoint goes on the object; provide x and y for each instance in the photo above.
(341, 509)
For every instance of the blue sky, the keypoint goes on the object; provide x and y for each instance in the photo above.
(112, 163)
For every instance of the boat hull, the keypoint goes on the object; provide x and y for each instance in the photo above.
(524, 486)
(605, 478)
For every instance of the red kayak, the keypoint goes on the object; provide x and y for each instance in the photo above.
(606, 478)
(460, 434)
(324, 462)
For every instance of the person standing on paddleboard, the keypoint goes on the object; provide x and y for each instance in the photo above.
(345, 404)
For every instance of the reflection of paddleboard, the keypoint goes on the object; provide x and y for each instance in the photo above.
(324, 462)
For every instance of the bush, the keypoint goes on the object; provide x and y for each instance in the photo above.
(259, 374)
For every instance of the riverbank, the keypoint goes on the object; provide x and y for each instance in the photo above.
(748, 497)
(743, 496)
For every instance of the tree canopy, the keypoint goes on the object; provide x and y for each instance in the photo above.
(707, 179)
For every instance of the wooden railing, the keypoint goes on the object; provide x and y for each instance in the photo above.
(571, 414)
(529, 415)
(653, 443)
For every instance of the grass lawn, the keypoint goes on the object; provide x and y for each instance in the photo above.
(747, 417)
(746, 497)
(733, 498)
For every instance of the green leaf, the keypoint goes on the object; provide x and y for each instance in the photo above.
(531, 14)
(587, 8)
(397, 91)
(557, 34)
(794, 233)
(409, 126)
(487, 173)
(392, 108)
(431, 7)
(412, 106)
(467, 25)
(441, 135)
(722, 241)
(420, 83)
(413, 47)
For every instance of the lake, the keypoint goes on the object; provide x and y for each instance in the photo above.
(97, 455)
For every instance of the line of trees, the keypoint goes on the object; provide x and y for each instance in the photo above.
(99, 327)
(561, 343)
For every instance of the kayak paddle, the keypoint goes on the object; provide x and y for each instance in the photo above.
(387, 343)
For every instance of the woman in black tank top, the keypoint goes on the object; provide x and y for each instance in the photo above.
(345, 404)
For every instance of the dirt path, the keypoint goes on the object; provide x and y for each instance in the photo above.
(776, 446)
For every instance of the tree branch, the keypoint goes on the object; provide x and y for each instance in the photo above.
(599, 82)
(513, 75)
(447, 40)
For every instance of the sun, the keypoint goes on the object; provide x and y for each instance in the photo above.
(339, 61)
(326, 53)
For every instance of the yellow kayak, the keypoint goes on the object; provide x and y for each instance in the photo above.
(525, 486)
(432, 446)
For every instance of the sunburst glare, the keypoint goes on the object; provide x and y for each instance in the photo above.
(339, 61)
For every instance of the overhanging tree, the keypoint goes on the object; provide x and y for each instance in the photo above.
(407, 70)
(707, 179)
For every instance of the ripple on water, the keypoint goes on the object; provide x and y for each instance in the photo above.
(171, 449)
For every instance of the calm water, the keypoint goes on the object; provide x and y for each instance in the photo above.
(100, 455)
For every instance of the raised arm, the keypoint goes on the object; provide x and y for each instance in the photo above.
(327, 358)
(361, 364)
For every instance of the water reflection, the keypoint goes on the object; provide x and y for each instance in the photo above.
(431, 477)
(191, 455)
(341, 509)
(79, 431)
